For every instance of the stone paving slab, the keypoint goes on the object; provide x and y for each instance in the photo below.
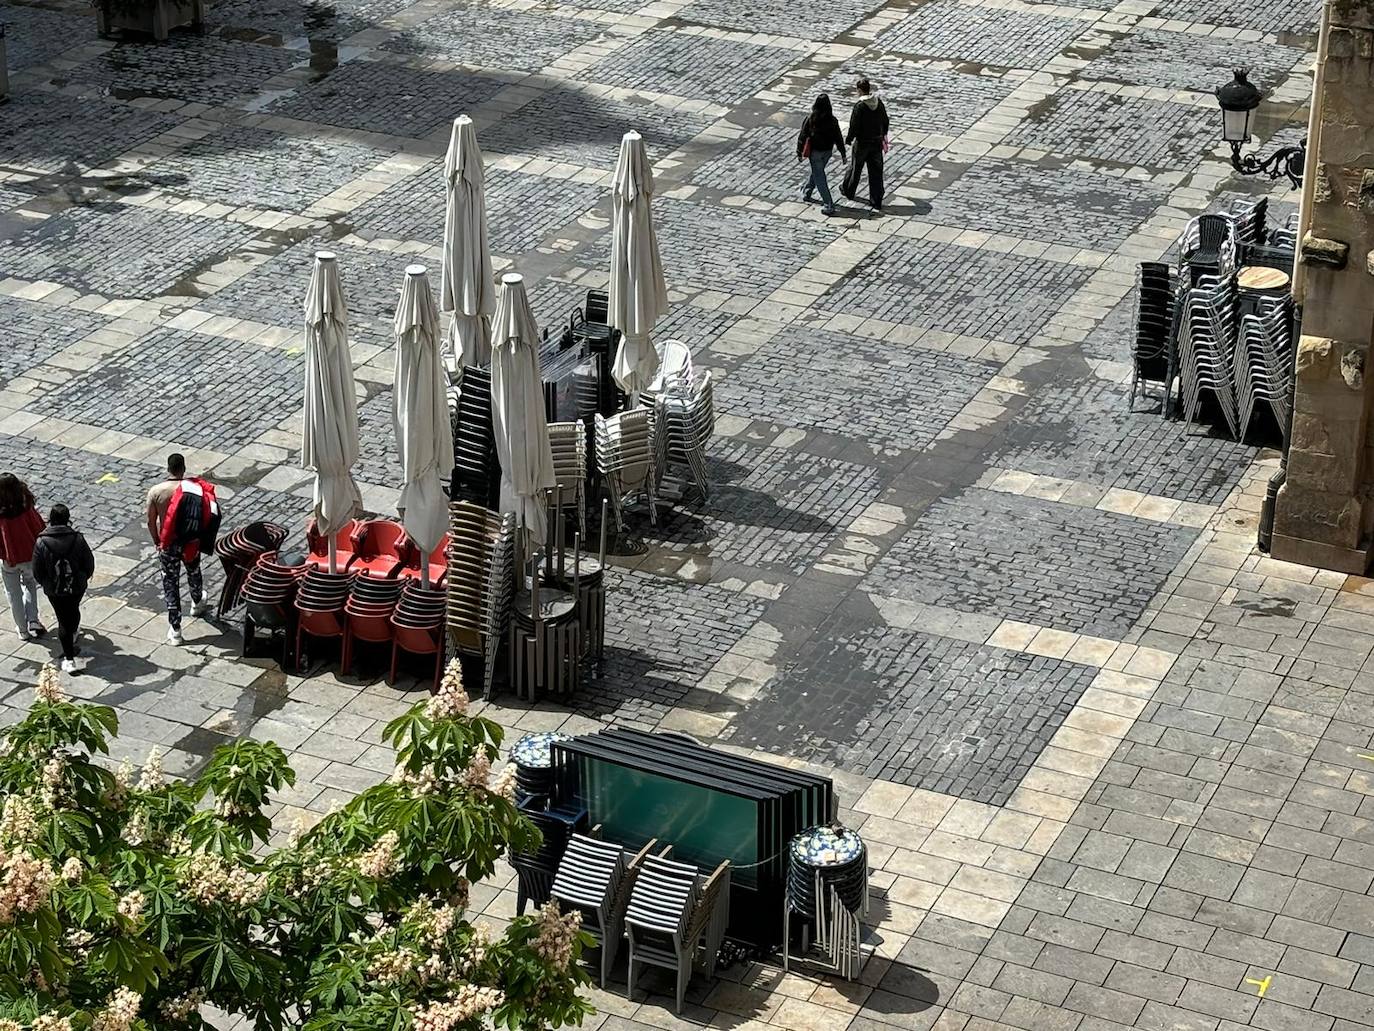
(982, 35)
(919, 98)
(495, 37)
(1182, 60)
(95, 130)
(207, 71)
(283, 20)
(34, 333)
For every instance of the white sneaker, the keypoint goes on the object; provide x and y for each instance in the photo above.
(68, 665)
(174, 636)
(201, 607)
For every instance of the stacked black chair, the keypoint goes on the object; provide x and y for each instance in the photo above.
(601, 340)
(476, 469)
(238, 552)
(1152, 357)
(536, 870)
(269, 595)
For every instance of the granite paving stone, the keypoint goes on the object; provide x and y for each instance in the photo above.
(387, 97)
(982, 35)
(780, 18)
(35, 332)
(1295, 16)
(721, 71)
(1183, 60)
(893, 396)
(258, 167)
(1031, 201)
(120, 250)
(957, 289)
(579, 126)
(522, 210)
(903, 705)
(94, 131)
(283, 20)
(495, 37)
(954, 558)
(35, 35)
(1080, 429)
(917, 97)
(186, 67)
(188, 387)
(1121, 130)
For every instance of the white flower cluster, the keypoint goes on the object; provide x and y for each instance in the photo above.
(152, 777)
(382, 859)
(25, 884)
(120, 1011)
(118, 795)
(426, 782)
(131, 906)
(450, 700)
(137, 832)
(182, 1006)
(433, 922)
(505, 783)
(49, 687)
(211, 879)
(478, 771)
(18, 820)
(556, 935)
(53, 779)
(52, 1022)
(394, 967)
(72, 870)
(467, 1002)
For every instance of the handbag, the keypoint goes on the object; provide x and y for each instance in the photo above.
(806, 147)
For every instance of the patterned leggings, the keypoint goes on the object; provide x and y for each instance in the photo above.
(172, 562)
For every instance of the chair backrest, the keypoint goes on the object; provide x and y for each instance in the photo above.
(589, 872)
(1249, 220)
(663, 897)
(598, 307)
(714, 892)
(386, 537)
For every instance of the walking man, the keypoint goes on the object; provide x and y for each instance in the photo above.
(867, 136)
(63, 566)
(183, 518)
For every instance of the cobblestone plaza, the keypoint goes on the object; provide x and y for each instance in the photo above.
(1111, 764)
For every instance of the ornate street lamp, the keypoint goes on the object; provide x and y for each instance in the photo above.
(1238, 100)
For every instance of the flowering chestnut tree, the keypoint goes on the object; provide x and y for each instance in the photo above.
(130, 901)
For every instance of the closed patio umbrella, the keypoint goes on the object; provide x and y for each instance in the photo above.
(517, 411)
(329, 439)
(466, 289)
(424, 435)
(638, 294)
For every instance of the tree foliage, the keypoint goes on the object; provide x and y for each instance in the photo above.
(130, 901)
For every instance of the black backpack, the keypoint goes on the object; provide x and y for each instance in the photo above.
(63, 577)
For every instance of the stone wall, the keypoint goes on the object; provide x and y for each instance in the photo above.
(1325, 511)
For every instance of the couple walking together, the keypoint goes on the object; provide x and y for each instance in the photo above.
(820, 137)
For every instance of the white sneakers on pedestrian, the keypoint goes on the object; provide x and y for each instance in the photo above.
(68, 665)
(199, 608)
(174, 636)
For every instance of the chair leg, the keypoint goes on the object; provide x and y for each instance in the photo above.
(684, 974)
(247, 636)
(300, 633)
(346, 652)
(395, 659)
(438, 664)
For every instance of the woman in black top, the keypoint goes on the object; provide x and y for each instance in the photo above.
(820, 135)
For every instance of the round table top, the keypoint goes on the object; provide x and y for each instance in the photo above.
(827, 846)
(533, 750)
(1260, 277)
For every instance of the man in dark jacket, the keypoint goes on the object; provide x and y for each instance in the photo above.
(63, 566)
(867, 132)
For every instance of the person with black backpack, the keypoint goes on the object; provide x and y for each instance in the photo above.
(63, 566)
(183, 520)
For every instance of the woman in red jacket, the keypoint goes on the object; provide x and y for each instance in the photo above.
(20, 525)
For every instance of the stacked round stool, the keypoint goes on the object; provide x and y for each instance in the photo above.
(532, 757)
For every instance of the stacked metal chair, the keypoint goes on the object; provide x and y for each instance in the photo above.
(1153, 359)
(545, 642)
(625, 455)
(1249, 220)
(1207, 346)
(1207, 247)
(684, 419)
(1264, 361)
(595, 877)
(535, 871)
(481, 581)
(568, 443)
(673, 911)
(476, 470)
(238, 552)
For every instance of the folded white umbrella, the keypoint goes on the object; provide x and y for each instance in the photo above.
(424, 435)
(638, 294)
(329, 441)
(517, 411)
(466, 288)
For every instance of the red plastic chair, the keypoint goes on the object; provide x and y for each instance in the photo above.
(346, 545)
(373, 628)
(384, 549)
(314, 623)
(418, 642)
(438, 563)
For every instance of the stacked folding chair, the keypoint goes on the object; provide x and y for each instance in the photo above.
(476, 470)
(481, 581)
(1249, 221)
(1264, 360)
(589, 880)
(535, 871)
(662, 903)
(568, 442)
(1285, 235)
(1207, 346)
(238, 552)
(545, 643)
(417, 626)
(1152, 357)
(625, 459)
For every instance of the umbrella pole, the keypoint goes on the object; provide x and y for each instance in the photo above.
(333, 553)
(424, 571)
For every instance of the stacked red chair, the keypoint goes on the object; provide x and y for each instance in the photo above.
(238, 552)
(367, 614)
(418, 626)
(320, 606)
(346, 543)
(269, 593)
(438, 563)
(383, 548)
